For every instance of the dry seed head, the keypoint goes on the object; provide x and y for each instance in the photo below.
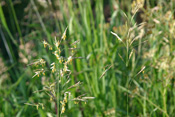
(43, 80)
(61, 73)
(85, 98)
(53, 63)
(65, 98)
(37, 73)
(61, 60)
(42, 62)
(64, 34)
(109, 112)
(75, 42)
(116, 36)
(45, 44)
(141, 70)
(50, 47)
(65, 68)
(62, 106)
(52, 85)
(59, 50)
(53, 68)
(56, 54)
(105, 71)
(62, 109)
(69, 93)
(38, 62)
(136, 90)
(69, 59)
(57, 43)
(131, 54)
(75, 85)
(137, 4)
(37, 106)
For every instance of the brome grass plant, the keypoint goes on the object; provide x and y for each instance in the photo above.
(57, 85)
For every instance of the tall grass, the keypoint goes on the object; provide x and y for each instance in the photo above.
(127, 65)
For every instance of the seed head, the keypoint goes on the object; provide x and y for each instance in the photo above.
(45, 44)
(64, 34)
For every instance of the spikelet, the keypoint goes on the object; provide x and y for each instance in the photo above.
(53, 68)
(64, 34)
(136, 5)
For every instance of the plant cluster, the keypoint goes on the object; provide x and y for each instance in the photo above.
(58, 89)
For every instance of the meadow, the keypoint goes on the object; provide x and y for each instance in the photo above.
(87, 58)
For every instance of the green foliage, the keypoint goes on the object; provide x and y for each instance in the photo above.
(127, 52)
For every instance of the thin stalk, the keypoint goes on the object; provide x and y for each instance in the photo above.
(16, 22)
(164, 101)
(4, 24)
(164, 97)
(10, 54)
(127, 100)
(57, 108)
(127, 104)
(144, 104)
(40, 20)
(57, 103)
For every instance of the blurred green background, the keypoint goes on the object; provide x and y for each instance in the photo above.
(141, 80)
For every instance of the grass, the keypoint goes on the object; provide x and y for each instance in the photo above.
(127, 59)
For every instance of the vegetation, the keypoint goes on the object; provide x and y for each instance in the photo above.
(87, 58)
